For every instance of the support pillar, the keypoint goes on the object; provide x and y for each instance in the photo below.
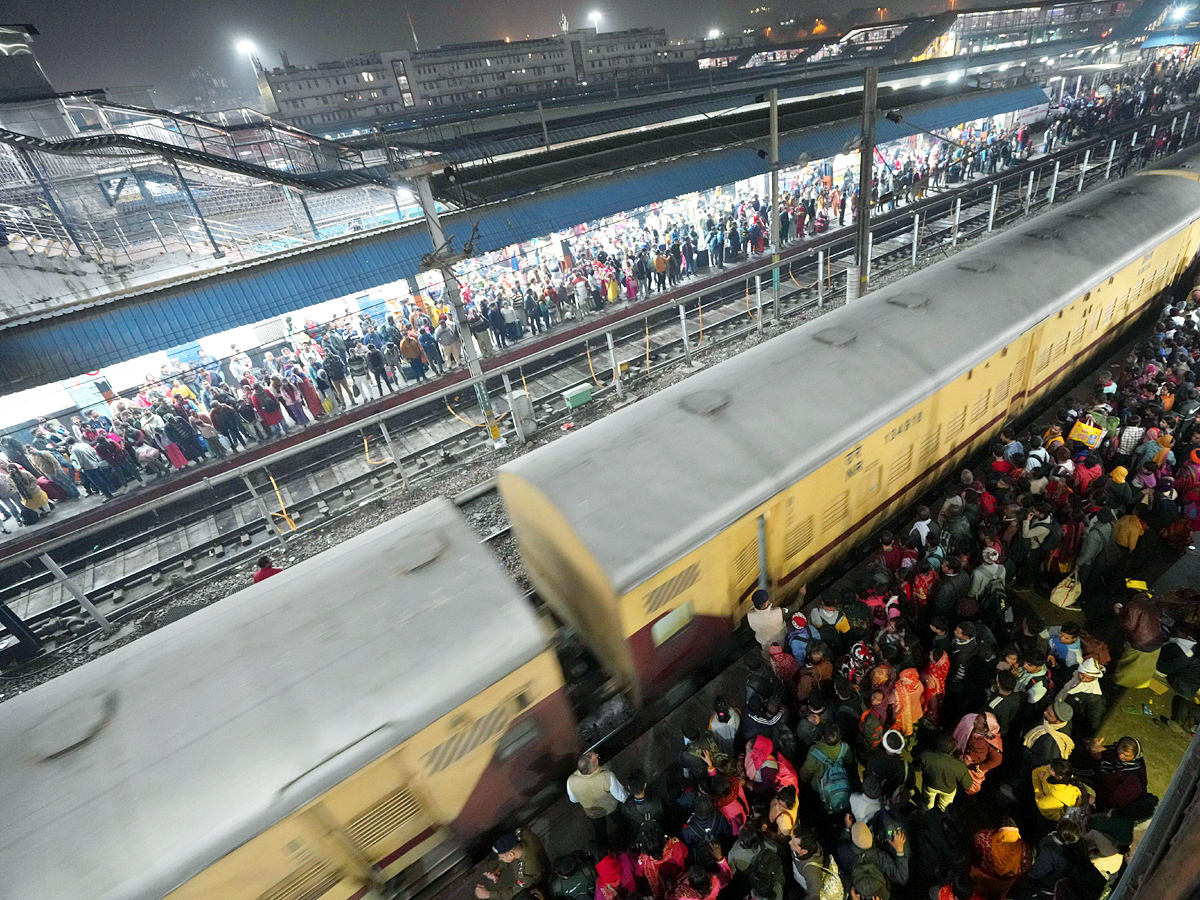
(1112, 151)
(1053, 184)
(508, 395)
(387, 439)
(264, 512)
(916, 238)
(1087, 155)
(992, 207)
(612, 355)
(758, 294)
(687, 346)
(74, 590)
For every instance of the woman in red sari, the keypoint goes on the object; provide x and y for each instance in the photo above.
(933, 679)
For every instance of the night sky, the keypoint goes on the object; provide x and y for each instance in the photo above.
(90, 44)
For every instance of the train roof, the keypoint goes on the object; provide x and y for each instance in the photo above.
(648, 484)
(127, 776)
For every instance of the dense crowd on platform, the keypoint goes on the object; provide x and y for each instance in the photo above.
(210, 408)
(934, 730)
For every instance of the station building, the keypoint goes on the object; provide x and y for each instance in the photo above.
(381, 84)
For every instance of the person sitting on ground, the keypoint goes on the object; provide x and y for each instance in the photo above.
(265, 569)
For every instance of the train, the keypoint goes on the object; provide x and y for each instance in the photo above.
(649, 530)
(334, 732)
(317, 735)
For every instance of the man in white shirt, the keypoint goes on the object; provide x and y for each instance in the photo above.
(766, 621)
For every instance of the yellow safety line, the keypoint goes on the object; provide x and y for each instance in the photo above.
(284, 513)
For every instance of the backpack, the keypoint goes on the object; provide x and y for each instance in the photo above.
(270, 404)
(868, 879)
(1055, 537)
(798, 642)
(834, 784)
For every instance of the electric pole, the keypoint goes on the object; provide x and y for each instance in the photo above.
(857, 285)
(774, 220)
(443, 259)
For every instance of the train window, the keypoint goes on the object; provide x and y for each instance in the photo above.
(929, 449)
(1018, 376)
(957, 423)
(837, 511)
(981, 405)
(798, 537)
(672, 623)
(746, 563)
(517, 739)
(669, 590)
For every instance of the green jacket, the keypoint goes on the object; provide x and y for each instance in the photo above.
(943, 772)
(528, 871)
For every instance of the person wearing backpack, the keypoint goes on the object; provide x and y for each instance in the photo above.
(269, 410)
(872, 871)
(1036, 541)
(827, 770)
(802, 635)
(988, 574)
(816, 874)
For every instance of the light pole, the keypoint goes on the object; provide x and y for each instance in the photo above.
(594, 18)
(250, 51)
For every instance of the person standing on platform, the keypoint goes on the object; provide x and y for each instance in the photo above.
(598, 791)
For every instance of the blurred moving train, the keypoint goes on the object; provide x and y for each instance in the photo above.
(309, 737)
(329, 733)
(648, 530)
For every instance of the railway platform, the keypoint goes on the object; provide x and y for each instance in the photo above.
(942, 219)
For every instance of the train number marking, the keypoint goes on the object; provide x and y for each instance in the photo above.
(897, 430)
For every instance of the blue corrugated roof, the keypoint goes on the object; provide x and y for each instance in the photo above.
(1172, 38)
(68, 344)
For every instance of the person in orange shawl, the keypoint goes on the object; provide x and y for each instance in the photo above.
(978, 743)
(999, 857)
(908, 700)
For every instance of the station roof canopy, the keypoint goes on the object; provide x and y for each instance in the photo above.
(510, 205)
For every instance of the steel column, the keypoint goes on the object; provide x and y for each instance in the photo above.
(264, 512)
(687, 346)
(77, 593)
(612, 355)
(387, 439)
(992, 207)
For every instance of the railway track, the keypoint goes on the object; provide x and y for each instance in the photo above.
(659, 343)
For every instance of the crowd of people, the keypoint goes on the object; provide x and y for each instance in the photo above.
(934, 729)
(209, 408)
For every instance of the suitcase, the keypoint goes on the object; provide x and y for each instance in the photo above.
(702, 260)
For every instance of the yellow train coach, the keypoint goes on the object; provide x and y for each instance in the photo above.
(646, 529)
(314, 736)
